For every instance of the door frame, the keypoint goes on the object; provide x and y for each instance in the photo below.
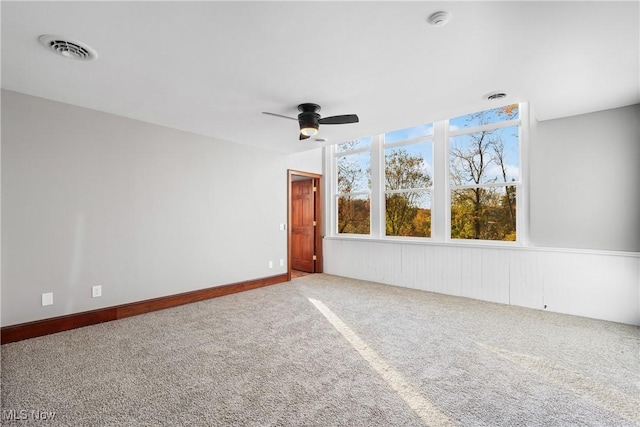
(317, 230)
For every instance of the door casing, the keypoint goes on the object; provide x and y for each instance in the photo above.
(317, 182)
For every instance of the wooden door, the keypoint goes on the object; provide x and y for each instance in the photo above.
(302, 226)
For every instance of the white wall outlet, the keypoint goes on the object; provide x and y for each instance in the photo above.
(47, 299)
(281, 262)
(96, 291)
(270, 264)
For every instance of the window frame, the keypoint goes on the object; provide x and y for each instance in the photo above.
(521, 228)
(335, 195)
(406, 142)
(441, 188)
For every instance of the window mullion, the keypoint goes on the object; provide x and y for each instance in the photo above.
(331, 190)
(439, 200)
(377, 186)
(488, 127)
(522, 196)
(408, 142)
(408, 190)
(354, 194)
(487, 185)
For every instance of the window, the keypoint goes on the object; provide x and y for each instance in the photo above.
(353, 190)
(452, 180)
(408, 179)
(484, 174)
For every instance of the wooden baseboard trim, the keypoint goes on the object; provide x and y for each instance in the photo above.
(53, 325)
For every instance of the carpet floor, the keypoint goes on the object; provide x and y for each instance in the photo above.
(323, 350)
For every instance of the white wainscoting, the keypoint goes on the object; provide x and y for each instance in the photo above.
(597, 284)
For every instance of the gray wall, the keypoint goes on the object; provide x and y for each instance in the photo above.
(584, 177)
(90, 198)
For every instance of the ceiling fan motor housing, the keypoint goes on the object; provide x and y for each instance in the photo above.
(309, 107)
(309, 117)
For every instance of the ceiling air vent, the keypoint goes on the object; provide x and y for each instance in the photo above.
(494, 95)
(68, 48)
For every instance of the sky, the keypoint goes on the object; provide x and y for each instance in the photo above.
(508, 135)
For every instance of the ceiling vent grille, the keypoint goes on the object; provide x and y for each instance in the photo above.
(494, 96)
(68, 48)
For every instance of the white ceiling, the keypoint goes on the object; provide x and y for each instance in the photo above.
(212, 67)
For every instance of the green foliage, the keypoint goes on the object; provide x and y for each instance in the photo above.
(400, 214)
(422, 223)
(483, 213)
(404, 216)
(353, 215)
(404, 171)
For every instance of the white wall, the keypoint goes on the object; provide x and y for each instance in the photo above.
(90, 198)
(584, 181)
(597, 284)
(306, 161)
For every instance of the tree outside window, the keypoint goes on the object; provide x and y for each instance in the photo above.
(484, 177)
(353, 188)
(407, 195)
(484, 184)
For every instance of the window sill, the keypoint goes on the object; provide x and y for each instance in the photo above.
(426, 241)
(517, 246)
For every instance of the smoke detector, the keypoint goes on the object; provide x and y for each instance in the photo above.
(439, 19)
(68, 48)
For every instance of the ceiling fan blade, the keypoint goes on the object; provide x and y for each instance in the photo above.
(339, 120)
(280, 115)
(304, 137)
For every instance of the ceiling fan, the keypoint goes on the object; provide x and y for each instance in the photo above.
(310, 120)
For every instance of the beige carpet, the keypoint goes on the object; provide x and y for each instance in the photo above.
(324, 351)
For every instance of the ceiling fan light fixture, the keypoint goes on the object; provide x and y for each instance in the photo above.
(309, 129)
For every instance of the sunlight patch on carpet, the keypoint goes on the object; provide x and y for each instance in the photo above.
(607, 398)
(412, 397)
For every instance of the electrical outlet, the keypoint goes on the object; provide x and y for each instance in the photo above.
(281, 263)
(47, 299)
(96, 291)
(270, 264)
